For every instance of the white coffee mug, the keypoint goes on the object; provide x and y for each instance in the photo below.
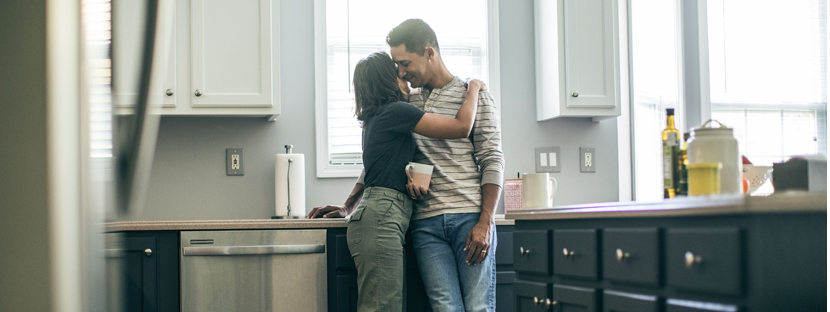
(419, 173)
(538, 190)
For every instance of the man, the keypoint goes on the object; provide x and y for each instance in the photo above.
(453, 225)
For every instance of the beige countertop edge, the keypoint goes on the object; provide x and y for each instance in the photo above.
(242, 224)
(699, 206)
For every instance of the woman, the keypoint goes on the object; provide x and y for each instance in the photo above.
(376, 227)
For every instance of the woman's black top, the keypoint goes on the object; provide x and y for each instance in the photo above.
(388, 145)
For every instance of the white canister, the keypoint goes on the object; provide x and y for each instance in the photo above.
(538, 190)
(717, 145)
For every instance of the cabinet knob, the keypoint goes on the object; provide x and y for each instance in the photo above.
(198, 93)
(575, 94)
(621, 255)
(523, 251)
(691, 259)
(549, 303)
(535, 301)
(148, 252)
(169, 92)
(568, 253)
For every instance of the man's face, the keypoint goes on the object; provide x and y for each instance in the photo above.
(412, 67)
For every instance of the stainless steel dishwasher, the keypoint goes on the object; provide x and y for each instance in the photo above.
(268, 270)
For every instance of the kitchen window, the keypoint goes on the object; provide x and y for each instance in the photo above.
(768, 76)
(764, 64)
(347, 31)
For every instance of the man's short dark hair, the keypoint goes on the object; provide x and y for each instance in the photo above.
(415, 34)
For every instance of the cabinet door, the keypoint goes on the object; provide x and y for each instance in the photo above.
(140, 264)
(530, 252)
(575, 253)
(128, 22)
(568, 298)
(591, 65)
(531, 296)
(346, 293)
(231, 53)
(614, 301)
(631, 255)
(705, 260)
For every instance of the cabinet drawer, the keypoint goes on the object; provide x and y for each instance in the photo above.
(531, 296)
(569, 298)
(530, 252)
(575, 253)
(631, 255)
(614, 301)
(676, 305)
(704, 260)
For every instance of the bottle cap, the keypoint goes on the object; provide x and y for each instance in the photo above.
(669, 111)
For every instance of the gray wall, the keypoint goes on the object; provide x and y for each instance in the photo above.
(189, 182)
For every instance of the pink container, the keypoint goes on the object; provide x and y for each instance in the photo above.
(512, 194)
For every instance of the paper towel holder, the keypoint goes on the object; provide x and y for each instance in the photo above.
(288, 148)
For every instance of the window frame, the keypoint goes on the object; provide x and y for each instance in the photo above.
(324, 168)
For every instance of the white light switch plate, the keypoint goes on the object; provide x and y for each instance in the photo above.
(547, 159)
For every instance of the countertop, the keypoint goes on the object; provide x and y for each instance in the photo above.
(240, 224)
(688, 206)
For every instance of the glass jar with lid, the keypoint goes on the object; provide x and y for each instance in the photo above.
(709, 144)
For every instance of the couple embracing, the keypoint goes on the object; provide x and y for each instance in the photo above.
(450, 125)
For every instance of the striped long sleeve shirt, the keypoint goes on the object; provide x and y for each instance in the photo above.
(462, 166)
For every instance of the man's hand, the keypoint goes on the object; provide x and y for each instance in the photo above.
(478, 242)
(329, 211)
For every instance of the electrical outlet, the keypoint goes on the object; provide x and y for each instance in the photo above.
(547, 159)
(587, 159)
(234, 163)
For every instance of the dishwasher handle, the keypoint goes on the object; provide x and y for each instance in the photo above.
(254, 250)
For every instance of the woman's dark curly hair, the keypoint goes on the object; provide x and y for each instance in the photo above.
(375, 84)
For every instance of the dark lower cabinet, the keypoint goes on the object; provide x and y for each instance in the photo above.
(614, 301)
(151, 271)
(569, 298)
(141, 274)
(342, 275)
(710, 262)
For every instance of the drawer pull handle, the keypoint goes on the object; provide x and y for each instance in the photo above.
(169, 92)
(148, 252)
(691, 259)
(198, 92)
(535, 301)
(621, 255)
(568, 253)
(575, 94)
(523, 251)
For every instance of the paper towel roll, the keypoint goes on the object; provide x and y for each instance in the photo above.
(293, 177)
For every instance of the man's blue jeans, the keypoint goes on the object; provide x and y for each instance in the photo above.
(451, 284)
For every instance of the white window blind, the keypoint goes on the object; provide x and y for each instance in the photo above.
(97, 16)
(768, 76)
(357, 28)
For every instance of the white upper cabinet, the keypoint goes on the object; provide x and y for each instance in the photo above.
(128, 31)
(231, 53)
(223, 58)
(577, 59)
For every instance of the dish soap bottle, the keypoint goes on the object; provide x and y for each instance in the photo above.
(671, 145)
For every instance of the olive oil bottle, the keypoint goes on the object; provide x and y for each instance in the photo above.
(682, 171)
(671, 147)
